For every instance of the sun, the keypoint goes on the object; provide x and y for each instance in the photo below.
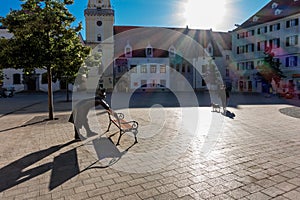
(204, 14)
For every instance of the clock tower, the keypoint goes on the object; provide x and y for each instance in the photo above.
(99, 20)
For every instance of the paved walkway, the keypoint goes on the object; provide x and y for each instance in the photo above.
(255, 155)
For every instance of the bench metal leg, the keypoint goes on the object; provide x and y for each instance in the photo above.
(108, 126)
(121, 133)
(135, 132)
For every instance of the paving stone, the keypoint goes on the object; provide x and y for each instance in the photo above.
(113, 195)
(132, 189)
(200, 186)
(183, 191)
(266, 183)
(168, 195)
(293, 195)
(295, 181)
(98, 191)
(255, 158)
(258, 196)
(252, 188)
(220, 197)
(238, 193)
(285, 186)
(148, 193)
(273, 191)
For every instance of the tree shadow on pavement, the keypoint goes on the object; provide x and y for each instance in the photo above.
(16, 172)
(63, 167)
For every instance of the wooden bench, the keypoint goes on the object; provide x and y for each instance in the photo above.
(124, 126)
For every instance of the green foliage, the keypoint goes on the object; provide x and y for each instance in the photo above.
(270, 69)
(44, 37)
(213, 75)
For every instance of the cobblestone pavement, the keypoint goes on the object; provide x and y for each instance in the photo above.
(256, 156)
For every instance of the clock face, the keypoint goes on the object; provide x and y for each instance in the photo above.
(99, 23)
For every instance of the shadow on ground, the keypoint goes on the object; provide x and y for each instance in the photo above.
(63, 167)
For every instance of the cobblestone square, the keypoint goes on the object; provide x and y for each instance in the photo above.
(256, 156)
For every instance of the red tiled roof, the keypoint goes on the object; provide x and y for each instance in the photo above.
(267, 13)
(203, 37)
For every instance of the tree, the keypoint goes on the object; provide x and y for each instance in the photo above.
(212, 75)
(270, 69)
(44, 38)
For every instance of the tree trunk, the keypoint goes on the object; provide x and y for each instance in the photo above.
(50, 94)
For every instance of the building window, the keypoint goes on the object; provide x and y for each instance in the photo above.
(133, 69)
(149, 51)
(275, 27)
(143, 83)
(266, 29)
(227, 57)
(278, 12)
(292, 61)
(249, 48)
(250, 65)
(144, 69)
(152, 68)
(204, 69)
(163, 83)
(183, 68)
(154, 84)
(292, 40)
(250, 33)
(292, 22)
(172, 52)
(274, 43)
(177, 67)
(227, 72)
(128, 52)
(44, 78)
(163, 69)
(172, 67)
(99, 39)
(210, 50)
(16, 79)
(262, 45)
(119, 69)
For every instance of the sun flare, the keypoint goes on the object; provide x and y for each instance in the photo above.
(204, 13)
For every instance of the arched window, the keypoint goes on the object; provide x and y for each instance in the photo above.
(99, 38)
(128, 50)
(149, 51)
(172, 51)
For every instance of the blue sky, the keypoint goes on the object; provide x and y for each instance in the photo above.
(220, 15)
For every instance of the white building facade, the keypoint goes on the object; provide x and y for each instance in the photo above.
(275, 26)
